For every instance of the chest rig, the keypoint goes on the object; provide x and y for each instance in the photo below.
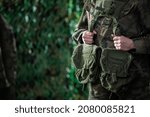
(114, 64)
(105, 15)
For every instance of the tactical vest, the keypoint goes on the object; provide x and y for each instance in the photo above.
(113, 17)
(98, 61)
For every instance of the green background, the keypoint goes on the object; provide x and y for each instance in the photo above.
(43, 30)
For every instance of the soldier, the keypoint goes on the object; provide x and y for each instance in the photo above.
(7, 61)
(113, 52)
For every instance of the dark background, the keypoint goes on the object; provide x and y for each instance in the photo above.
(43, 31)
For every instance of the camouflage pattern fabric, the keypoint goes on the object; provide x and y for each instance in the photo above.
(137, 89)
(115, 65)
(129, 18)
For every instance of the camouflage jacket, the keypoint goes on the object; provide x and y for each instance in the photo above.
(132, 17)
(7, 55)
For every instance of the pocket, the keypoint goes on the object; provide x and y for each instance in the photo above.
(85, 60)
(83, 56)
(115, 61)
(115, 65)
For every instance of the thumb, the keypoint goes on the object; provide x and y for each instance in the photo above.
(94, 32)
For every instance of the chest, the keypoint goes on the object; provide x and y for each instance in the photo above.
(116, 8)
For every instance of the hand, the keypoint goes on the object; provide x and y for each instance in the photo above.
(87, 37)
(123, 43)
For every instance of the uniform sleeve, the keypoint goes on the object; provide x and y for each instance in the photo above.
(81, 27)
(143, 43)
(8, 46)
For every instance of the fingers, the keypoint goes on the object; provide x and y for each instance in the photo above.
(116, 38)
(94, 32)
(117, 42)
(88, 40)
(117, 46)
(123, 43)
(87, 37)
(87, 33)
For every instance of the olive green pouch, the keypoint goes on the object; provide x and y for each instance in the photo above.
(115, 65)
(85, 59)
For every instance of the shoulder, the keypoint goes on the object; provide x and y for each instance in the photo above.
(144, 3)
(89, 4)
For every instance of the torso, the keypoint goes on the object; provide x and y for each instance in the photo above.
(122, 10)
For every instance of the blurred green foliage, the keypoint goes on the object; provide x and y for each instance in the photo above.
(43, 31)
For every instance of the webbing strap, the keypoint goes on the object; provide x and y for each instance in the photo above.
(97, 12)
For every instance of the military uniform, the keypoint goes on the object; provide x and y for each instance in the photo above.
(7, 61)
(129, 18)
